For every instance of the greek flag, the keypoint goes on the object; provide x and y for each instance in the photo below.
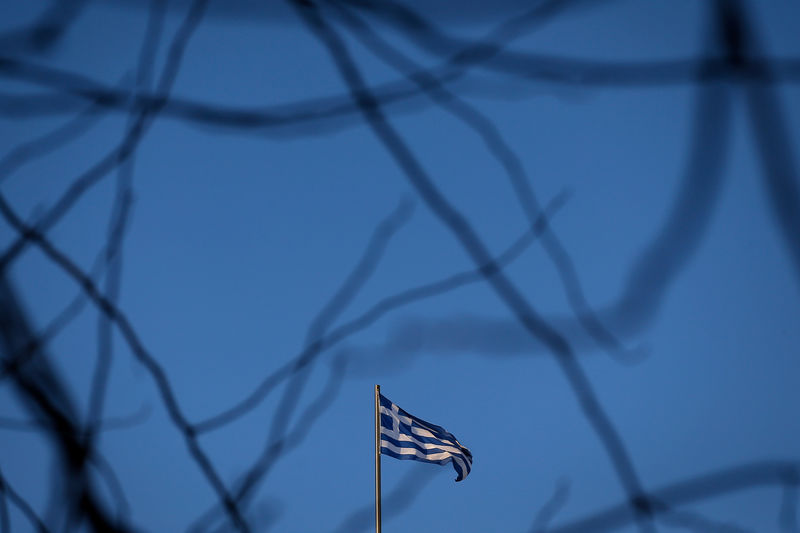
(404, 436)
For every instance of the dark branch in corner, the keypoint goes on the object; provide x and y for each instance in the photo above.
(45, 396)
(47, 30)
(115, 423)
(68, 132)
(57, 324)
(771, 132)
(131, 140)
(298, 370)
(308, 117)
(397, 501)
(660, 262)
(293, 438)
(551, 507)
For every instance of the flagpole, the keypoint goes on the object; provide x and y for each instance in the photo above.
(377, 459)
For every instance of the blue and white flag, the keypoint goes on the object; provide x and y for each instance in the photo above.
(404, 436)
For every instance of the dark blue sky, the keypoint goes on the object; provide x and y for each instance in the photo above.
(674, 201)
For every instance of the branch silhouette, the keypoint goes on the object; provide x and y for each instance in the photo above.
(507, 158)
(7, 492)
(355, 280)
(37, 148)
(299, 369)
(373, 314)
(57, 324)
(692, 490)
(114, 423)
(116, 316)
(656, 268)
(771, 132)
(85, 490)
(44, 395)
(322, 115)
(475, 248)
(131, 140)
(48, 29)
(551, 507)
(290, 440)
(397, 501)
(118, 221)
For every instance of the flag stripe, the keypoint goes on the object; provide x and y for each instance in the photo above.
(424, 448)
(419, 432)
(387, 417)
(403, 439)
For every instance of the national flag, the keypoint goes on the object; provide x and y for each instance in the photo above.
(404, 436)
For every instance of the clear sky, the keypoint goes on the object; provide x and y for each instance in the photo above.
(663, 300)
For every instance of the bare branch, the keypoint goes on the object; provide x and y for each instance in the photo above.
(551, 507)
(45, 396)
(48, 29)
(374, 313)
(68, 132)
(499, 148)
(691, 490)
(8, 492)
(355, 280)
(140, 352)
(133, 136)
(119, 219)
(506, 291)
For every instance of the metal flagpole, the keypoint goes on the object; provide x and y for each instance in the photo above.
(377, 459)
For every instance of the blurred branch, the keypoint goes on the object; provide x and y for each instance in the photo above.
(133, 135)
(300, 372)
(68, 132)
(375, 312)
(114, 484)
(116, 316)
(654, 270)
(395, 503)
(477, 250)
(502, 152)
(48, 29)
(5, 520)
(119, 219)
(772, 136)
(551, 507)
(7, 492)
(116, 158)
(691, 490)
(43, 393)
(109, 424)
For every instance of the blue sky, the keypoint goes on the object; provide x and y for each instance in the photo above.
(239, 237)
